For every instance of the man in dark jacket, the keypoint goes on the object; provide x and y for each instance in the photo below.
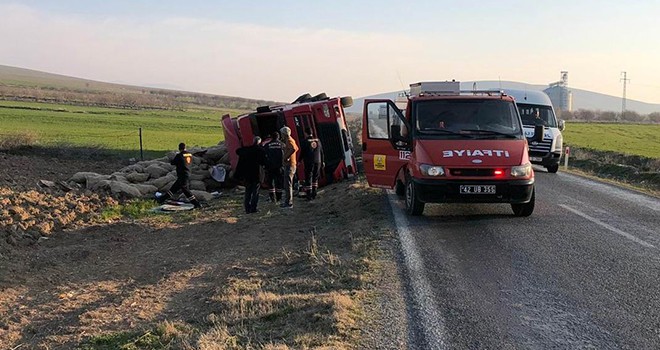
(250, 161)
(182, 161)
(274, 151)
(312, 154)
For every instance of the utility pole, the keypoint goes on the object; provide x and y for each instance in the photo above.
(623, 101)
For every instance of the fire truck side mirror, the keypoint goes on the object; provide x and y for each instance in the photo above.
(538, 133)
(397, 139)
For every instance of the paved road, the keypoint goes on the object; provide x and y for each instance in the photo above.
(582, 272)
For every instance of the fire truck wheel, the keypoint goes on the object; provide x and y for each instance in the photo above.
(346, 101)
(553, 168)
(525, 209)
(303, 98)
(413, 206)
(320, 97)
(400, 189)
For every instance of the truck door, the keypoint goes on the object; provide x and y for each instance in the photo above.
(381, 156)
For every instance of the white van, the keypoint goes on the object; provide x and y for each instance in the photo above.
(535, 108)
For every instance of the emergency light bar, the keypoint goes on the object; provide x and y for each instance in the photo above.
(447, 88)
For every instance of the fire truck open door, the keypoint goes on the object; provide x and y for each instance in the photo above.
(384, 152)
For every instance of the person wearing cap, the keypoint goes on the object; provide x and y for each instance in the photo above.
(182, 161)
(250, 160)
(289, 163)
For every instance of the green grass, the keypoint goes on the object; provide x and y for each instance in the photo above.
(134, 209)
(632, 139)
(110, 128)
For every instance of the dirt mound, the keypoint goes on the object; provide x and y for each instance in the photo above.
(209, 169)
(27, 216)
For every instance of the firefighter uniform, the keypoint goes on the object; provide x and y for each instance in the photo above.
(274, 151)
(313, 160)
(182, 161)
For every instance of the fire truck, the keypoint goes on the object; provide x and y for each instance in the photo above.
(449, 146)
(324, 115)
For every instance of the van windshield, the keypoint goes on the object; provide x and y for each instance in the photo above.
(473, 118)
(537, 114)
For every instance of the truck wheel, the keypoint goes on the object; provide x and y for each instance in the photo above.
(346, 101)
(553, 168)
(302, 98)
(525, 209)
(413, 206)
(400, 189)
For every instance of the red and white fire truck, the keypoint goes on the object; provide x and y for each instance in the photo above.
(449, 145)
(324, 115)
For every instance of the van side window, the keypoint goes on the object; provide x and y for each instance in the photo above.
(378, 120)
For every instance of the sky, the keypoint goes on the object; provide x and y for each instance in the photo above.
(278, 50)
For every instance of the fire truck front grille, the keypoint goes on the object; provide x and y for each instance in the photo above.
(472, 172)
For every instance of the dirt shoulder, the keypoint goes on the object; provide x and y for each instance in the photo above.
(313, 276)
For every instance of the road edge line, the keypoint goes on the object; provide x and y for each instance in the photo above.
(432, 323)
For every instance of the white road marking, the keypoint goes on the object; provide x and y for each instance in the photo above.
(607, 226)
(433, 326)
(638, 199)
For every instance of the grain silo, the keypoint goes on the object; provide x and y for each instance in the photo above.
(559, 93)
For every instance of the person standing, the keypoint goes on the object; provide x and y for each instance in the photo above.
(250, 161)
(182, 161)
(274, 151)
(289, 162)
(312, 154)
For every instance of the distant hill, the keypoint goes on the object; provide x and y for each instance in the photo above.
(26, 84)
(582, 99)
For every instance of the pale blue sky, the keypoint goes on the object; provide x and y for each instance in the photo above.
(278, 49)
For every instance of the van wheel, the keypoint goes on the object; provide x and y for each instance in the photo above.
(525, 209)
(400, 189)
(553, 168)
(413, 206)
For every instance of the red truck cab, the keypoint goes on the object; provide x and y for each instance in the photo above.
(448, 146)
(324, 115)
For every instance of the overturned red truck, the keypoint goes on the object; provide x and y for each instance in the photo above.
(324, 115)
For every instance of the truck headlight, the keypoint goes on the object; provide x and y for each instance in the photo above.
(432, 170)
(559, 144)
(521, 170)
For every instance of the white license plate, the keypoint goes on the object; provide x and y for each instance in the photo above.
(535, 159)
(477, 189)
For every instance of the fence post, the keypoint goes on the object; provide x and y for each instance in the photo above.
(566, 155)
(141, 152)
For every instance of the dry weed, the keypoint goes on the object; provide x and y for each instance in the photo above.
(18, 139)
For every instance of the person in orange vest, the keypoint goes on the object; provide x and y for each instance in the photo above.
(289, 162)
(182, 161)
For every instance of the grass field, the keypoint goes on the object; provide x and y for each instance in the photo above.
(114, 129)
(632, 139)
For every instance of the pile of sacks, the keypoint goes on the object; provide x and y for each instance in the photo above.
(210, 169)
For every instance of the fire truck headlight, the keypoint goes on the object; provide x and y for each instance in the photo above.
(432, 170)
(521, 170)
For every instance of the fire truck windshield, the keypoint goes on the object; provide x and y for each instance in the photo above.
(479, 118)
